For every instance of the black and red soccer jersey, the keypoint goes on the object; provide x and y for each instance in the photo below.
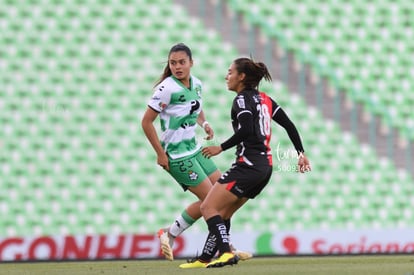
(248, 123)
(251, 114)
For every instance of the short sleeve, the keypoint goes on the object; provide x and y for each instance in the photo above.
(160, 98)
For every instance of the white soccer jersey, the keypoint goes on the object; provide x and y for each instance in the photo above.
(179, 108)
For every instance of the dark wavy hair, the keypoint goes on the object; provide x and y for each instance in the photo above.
(180, 47)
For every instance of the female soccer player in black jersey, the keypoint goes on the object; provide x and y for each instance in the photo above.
(251, 115)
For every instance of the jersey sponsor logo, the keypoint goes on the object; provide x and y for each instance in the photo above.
(162, 105)
(198, 91)
(181, 98)
(192, 175)
(240, 102)
(195, 105)
(186, 124)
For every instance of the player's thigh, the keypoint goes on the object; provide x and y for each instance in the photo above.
(214, 177)
(202, 189)
(218, 199)
(209, 167)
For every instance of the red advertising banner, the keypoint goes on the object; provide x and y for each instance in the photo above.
(135, 246)
(82, 247)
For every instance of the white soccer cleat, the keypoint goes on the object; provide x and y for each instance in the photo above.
(243, 255)
(166, 243)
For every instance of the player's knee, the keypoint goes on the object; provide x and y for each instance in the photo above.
(203, 208)
(206, 209)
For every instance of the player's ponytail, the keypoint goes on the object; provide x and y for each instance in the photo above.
(265, 72)
(167, 72)
(254, 72)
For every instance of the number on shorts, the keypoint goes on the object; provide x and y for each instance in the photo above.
(183, 167)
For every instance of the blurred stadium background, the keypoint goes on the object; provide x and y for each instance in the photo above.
(75, 77)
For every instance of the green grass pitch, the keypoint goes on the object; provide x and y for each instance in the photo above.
(324, 265)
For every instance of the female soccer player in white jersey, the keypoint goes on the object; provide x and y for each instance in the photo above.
(177, 101)
(251, 114)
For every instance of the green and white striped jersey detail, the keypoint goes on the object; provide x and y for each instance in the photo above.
(179, 108)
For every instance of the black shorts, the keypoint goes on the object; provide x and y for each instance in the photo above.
(246, 181)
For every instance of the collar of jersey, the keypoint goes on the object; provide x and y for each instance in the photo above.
(182, 85)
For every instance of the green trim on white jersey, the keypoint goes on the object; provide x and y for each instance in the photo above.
(179, 108)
